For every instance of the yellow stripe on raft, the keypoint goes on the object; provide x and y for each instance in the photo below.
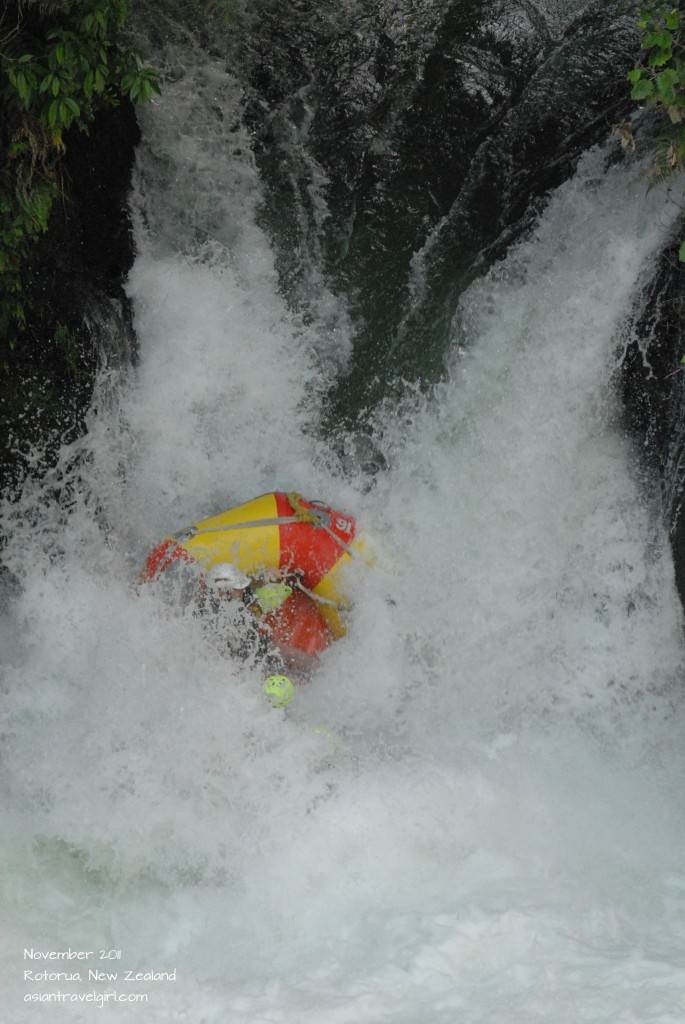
(254, 549)
(330, 588)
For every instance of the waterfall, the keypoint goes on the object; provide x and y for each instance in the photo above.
(474, 810)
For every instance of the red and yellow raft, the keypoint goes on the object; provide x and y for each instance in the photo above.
(279, 533)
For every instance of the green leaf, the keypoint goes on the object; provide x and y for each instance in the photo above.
(59, 53)
(658, 59)
(665, 82)
(673, 19)
(635, 75)
(73, 106)
(25, 58)
(670, 75)
(55, 87)
(643, 90)
(664, 40)
(681, 257)
(20, 86)
(53, 110)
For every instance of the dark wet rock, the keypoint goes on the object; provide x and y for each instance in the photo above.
(571, 101)
(79, 316)
(408, 145)
(653, 385)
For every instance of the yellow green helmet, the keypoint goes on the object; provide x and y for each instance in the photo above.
(280, 690)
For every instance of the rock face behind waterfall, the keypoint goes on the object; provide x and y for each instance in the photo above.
(408, 145)
(79, 316)
(653, 381)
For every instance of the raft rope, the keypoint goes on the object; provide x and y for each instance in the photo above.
(317, 518)
(317, 597)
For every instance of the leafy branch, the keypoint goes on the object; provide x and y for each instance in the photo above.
(55, 74)
(659, 80)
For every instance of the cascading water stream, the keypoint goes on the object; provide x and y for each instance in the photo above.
(490, 826)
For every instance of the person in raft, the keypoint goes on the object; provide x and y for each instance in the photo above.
(290, 630)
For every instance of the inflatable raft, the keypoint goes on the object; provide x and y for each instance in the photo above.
(277, 533)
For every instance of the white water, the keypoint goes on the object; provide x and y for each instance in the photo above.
(494, 829)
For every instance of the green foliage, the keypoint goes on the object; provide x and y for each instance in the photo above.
(56, 72)
(78, 67)
(659, 79)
